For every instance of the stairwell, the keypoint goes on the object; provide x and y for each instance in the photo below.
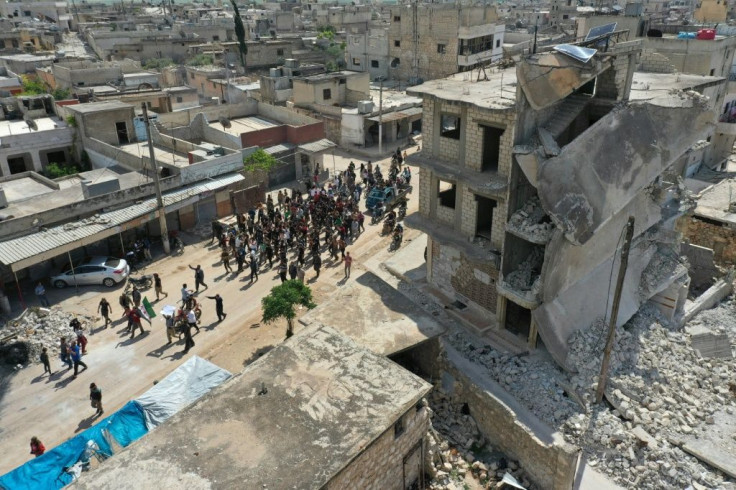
(566, 113)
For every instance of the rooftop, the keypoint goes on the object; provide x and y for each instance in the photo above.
(292, 419)
(246, 124)
(16, 127)
(714, 202)
(646, 86)
(323, 77)
(496, 93)
(93, 107)
(168, 156)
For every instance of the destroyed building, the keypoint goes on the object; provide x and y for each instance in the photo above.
(529, 175)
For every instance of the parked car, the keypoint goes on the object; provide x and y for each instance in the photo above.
(107, 271)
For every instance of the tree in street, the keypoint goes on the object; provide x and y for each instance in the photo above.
(282, 300)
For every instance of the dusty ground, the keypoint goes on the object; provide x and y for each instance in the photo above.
(56, 408)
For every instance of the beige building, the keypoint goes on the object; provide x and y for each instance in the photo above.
(337, 88)
(317, 411)
(431, 40)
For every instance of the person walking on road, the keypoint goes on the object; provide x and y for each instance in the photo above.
(136, 295)
(225, 256)
(198, 278)
(170, 327)
(41, 293)
(348, 262)
(192, 320)
(77, 358)
(188, 340)
(293, 270)
(79, 332)
(65, 353)
(105, 309)
(185, 296)
(253, 267)
(317, 263)
(45, 360)
(283, 268)
(219, 308)
(95, 396)
(37, 447)
(158, 287)
(135, 316)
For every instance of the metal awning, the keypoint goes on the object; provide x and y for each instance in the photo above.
(397, 115)
(317, 146)
(25, 251)
(280, 148)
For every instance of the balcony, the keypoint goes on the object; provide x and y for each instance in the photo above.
(488, 184)
(473, 59)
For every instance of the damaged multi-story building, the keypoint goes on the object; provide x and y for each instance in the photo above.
(530, 173)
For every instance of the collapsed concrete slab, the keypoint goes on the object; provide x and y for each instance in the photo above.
(594, 177)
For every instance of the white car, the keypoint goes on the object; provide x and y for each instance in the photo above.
(107, 271)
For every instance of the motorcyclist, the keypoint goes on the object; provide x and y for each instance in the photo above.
(398, 233)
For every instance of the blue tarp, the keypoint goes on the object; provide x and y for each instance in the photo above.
(47, 471)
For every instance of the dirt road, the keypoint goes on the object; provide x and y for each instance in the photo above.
(56, 408)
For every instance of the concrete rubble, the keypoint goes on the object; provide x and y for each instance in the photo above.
(525, 278)
(457, 450)
(660, 394)
(529, 222)
(37, 328)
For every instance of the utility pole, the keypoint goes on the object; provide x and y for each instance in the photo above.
(159, 198)
(380, 118)
(614, 309)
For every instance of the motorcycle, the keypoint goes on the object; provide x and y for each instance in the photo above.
(175, 244)
(143, 282)
(376, 215)
(388, 226)
(402, 210)
(396, 240)
(180, 320)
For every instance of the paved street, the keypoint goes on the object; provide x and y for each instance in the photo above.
(56, 408)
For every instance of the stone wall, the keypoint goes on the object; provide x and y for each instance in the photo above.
(721, 239)
(381, 464)
(454, 274)
(549, 461)
(476, 119)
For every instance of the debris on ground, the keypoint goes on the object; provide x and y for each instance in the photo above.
(457, 450)
(532, 222)
(660, 394)
(35, 329)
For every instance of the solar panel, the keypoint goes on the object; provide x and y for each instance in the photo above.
(599, 31)
(576, 52)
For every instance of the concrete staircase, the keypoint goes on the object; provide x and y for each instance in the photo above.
(566, 113)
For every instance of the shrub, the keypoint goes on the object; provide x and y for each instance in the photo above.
(259, 160)
(55, 170)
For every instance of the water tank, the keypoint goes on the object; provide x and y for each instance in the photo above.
(291, 63)
(365, 106)
(274, 72)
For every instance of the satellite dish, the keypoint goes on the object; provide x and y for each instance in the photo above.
(31, 124)
(225, 122)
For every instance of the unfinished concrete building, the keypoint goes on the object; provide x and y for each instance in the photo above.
(529, 177)
(431, 40)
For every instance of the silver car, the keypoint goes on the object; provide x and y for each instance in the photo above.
(107, 271)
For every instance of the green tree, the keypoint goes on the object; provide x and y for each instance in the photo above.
(32, 86)
(240, 34)
(326, 32)
(61, 94)
(157, 63)
(259, 160)
(201, 60)
(282, 300)
(54, 170)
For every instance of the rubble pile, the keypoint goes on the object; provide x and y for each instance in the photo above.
(526, 277)
(457, 450)
(664, 265)
(37, 328)
(529, 221)
(660, 394)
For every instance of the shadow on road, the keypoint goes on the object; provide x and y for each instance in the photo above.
(258, 354)
(85, 424)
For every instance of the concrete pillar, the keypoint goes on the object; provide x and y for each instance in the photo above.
(36, 158)
(533, 334)
(4, 167)
(501, 312)
(430, 248)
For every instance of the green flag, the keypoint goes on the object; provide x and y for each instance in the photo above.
(149, 309)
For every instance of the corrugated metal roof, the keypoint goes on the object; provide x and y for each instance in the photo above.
(280, 148)
(317, 146)
(22, 252)
(396, 115)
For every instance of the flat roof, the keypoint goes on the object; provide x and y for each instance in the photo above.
(245, 124)
(646, 86)
(498, 92)
(321, 77)
(374, 316)
(16, 127)
(713, 203)
(292, 419)
(92, 107)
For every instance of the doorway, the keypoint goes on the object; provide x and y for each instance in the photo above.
(491, 148)
(484, 217)
(518, 320)
(122, 130)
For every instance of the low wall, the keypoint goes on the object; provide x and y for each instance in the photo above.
(549, 461)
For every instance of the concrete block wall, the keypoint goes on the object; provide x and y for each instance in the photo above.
(448, 149)
(381, 464)
(476, 119)
(454, 274)
(549, 461)
(468, 210)
(425, 191)
(446, 215)
(653, 62)
(427, 125)
(615, 83)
